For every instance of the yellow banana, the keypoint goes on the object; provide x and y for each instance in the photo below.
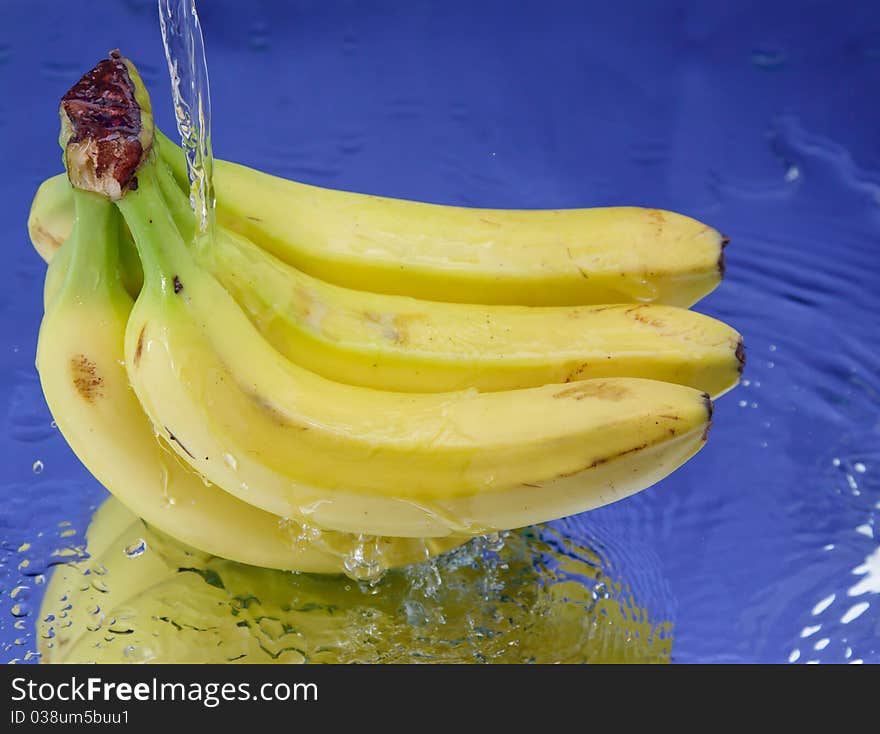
(412, 345)
(80, 361)
(464, 255)
(455, 254)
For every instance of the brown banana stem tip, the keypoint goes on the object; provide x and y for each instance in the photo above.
(725, 241)
(102, 121)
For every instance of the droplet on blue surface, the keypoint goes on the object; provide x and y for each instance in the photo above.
(768, 58)
(854, 612)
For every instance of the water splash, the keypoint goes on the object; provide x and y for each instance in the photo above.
(188, 69)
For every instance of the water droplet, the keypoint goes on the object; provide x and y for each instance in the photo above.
(18, 591)
(860, 467)
(23, 547)
(768, 58)
(258, 36)
(135, 549)
(794, 656)
(363, 562)
(822, 644)
(20, 610)
(810, 630)
(38, 467)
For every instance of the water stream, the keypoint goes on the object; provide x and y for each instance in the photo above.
(191, 94)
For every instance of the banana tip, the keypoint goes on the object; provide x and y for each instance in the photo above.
(710, 408)
(725, 241)
(741, 355)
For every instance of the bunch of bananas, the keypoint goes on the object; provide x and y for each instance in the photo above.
(332, 382)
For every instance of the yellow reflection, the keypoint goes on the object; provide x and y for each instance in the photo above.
(142, 596)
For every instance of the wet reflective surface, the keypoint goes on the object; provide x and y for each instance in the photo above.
(537, 596)
(757, 120)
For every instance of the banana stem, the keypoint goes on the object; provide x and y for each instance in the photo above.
(159, 242)
(96, 220)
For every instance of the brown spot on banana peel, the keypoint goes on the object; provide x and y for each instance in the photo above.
(593, 389)
(43, 236)
(584, 274)
(139, 348)
(178, 285)
(605, 459)
(641, 447)
(602, 460)
(636, 313)
(658, 217)
(84, 373)
(178, 442)
(577, 372)
(276, 415)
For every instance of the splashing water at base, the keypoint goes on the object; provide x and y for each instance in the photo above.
(188, 69)
(535, 596)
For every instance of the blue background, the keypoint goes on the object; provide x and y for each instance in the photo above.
(760, 118)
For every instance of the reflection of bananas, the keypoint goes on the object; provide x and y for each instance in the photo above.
(358, 412)
(523, 601)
